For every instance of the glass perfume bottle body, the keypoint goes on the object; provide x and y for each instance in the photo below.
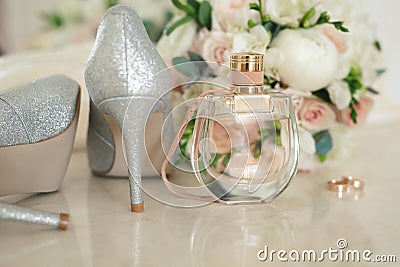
(245, 146)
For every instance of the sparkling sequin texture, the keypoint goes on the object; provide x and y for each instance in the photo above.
(125, 66)
(15, 213)
(37, 111)
(123, 61)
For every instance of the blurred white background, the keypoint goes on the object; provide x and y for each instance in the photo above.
(23, 26)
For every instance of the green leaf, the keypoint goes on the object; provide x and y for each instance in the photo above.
(322, 158)
(251, 23)
(265, 18)
(278, 140)
(339, 26)
(380, 72)
(203, 69)
(255, 6)
(178, 23)
(194, 4)
(205, 14)
(195, 57)
(372, 90)
(323, 94)
(355, 71)
(197, 69)
(305, 21)
(179, 60)
(353, 113)
(189, 70)
(323, 142)
(354, 85)
(151, 29)
(156, 31)
(278, 125)
(111, 3)
(226, 159)
(216, 158)
(185, 138)
(378, 46)
(189, 10)
(323, 18)
(54, 19)
(257, 149)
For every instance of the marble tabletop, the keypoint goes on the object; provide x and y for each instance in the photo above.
(103, 232)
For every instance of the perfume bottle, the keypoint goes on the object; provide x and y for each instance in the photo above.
(245, 142)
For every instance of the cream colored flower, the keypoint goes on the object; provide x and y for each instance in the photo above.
(310, 60)
(256, 40)
(288, 12)
(339, 93)
(232, 15)
(306, 141)
(178, 43)
(272, 60)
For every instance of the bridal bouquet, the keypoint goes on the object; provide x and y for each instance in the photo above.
(323, 53)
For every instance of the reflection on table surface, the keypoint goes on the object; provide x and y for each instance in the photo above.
(307, 216)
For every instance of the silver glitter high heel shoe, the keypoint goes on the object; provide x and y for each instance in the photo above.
(37, 129)
(120, 73)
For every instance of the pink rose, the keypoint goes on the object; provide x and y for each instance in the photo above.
(221, 138)
(234, 135)
(213, 45)
(366, 104)
(315, 115)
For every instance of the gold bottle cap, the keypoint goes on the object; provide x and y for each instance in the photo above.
(247, 62)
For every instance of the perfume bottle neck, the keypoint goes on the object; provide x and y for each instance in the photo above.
(248, 89)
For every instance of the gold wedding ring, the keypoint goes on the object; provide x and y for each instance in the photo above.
(355, 183)
(337, 186)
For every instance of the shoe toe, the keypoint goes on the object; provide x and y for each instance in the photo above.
(38, 111)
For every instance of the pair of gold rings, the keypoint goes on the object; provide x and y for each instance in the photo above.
(345, 184)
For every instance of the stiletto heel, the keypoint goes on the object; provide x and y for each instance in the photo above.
(120, 73)
(19, 214)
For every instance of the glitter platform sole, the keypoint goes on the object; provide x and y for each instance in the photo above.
(37, 167)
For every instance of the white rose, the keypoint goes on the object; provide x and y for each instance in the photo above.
(306, 141)
(178, 42)
(272, 59)
(232, 15)
(196, 89)
(288, 12)
(360, 38)
(256, 40)
(339, 93)
(310, 59)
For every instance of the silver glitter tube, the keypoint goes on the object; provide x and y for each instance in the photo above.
(20, 214)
